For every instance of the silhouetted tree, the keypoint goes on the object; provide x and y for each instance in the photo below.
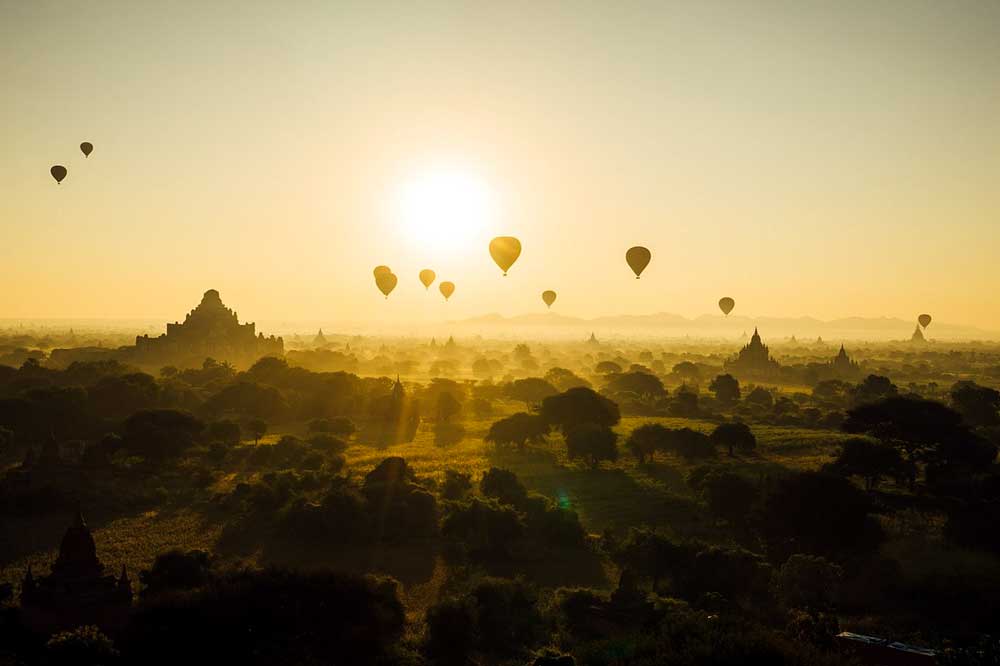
(646, 440)
(448, 407)
(809, 581)
(564, 379)
(872, 388)
(519, 429)
(729, 496)
(645, 385)
(726, 389)
(685, 402)
(977, 404)
(503, 485)
(456, 485)
(592, 442)
(226, 432)
(531, 390)
(578, 406)
(734, 436)
(159, 434)
(257, 428)
(760, 397)
(690, 444)
(607, 368)
(872, 461)
(176, 570)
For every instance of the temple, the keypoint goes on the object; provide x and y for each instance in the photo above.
(320, 339)
(754, 360)
(842, 367)
(211, 330)
(917, 336)
(77, 591)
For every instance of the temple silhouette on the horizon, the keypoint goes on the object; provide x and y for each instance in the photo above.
(754, 360)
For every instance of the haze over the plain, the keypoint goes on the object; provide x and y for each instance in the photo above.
(833, 162)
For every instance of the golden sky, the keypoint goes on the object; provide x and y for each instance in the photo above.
(826, 159)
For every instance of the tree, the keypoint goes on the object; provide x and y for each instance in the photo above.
(833, 392)
(83, 646)
(872, 461)
(519, 429)
(873, 388)
(734, 436)
(645, 385)
(690, 444)
(158, 434)
(760, 397)
(564, 379)
(503, 485)
(531, 390)
(726, 389)
(685, 402)
(592, 442)
(687, 371)
(176, 570)
(977, 404)
(809, 581)
(607, 368)
(578, 406)
(646, 440)
(924, 430)
(257, 428)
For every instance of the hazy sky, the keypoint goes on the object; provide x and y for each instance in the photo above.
(821, 158)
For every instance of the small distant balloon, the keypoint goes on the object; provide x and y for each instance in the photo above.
(726, 304)
(86, 148)
(379, 270)
(549, 297)
(58, 172)
(427, 277)
(924, 320)
(386, 282)
(505, 250)
(447, 289)
(638, 258)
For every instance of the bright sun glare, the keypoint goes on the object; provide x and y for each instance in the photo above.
(445, 209)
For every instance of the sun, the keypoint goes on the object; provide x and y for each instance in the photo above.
(445, 209)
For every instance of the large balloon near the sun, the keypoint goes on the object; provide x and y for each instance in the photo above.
(505, 250)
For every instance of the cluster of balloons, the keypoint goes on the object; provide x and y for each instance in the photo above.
(59, 172)
(386, 281)
(505, 250)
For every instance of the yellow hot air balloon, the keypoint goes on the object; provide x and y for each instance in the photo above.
(505, 250)
(638, 258)
(924, 320)
(726, 304)
(58, 172)
(549, 297)
(447, 289)
(379, 270)
(86, 148)
(386, 282)
(427, 277)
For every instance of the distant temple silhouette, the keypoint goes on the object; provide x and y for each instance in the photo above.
(210, 330)
(917, 336)
(842, 367)
(77, 591)
(754, 360)
(320, 339)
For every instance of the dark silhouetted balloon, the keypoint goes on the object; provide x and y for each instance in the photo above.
(379, 270)
(925, 320)
(87, 148)
(58, 172)
(638, 258)
(427, 277)
(447, 289)
(386, 282)
(549, 297)
(505, 250)
(726, 304)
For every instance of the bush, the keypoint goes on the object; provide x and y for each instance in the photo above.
(486, 528)
(503, 485)
(456, 486)
(176, 570)
(83, 646)
(809, 581)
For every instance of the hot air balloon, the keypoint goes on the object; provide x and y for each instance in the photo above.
(58, 172)
(638, 258)
(386, 282)
(726, 304)
(86, 148)
(379, 270)
(924, 320)
(505, 250)
(447, 289)
(549, 297)
(427, 277)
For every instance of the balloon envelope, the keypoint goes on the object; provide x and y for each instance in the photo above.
(726, 304)
(427, 277)
(638, 258)
(447, 289)
(379, 270)
(386, 282)
(86, 148)
(58, 172)
(505, 250)
(925, 320)
(549, 297)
